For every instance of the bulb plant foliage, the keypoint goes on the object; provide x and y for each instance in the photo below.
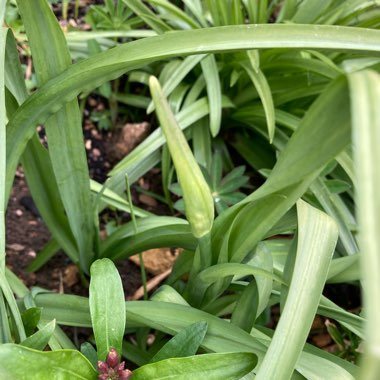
(287, 90)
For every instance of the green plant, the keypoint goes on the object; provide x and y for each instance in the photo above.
(289, 104)
(108, 318)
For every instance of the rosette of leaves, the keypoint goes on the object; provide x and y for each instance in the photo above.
(225, 190)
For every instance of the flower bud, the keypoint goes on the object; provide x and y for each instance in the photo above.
(113, 358)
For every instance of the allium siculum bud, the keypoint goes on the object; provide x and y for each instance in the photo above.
(111, 369)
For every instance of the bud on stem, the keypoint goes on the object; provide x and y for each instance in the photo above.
(197, 196)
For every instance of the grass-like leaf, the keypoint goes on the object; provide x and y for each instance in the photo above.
(365, 92)
(317, 237)
(64, 129)
(229, 366)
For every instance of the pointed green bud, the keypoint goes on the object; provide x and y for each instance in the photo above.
(197, 196)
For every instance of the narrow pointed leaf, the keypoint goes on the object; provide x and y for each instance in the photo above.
(50, 57)
(317, 237)
(228, 366)
(214, 94)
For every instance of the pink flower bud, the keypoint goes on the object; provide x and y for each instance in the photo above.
(125, 374)
(113, 358)
(121, 366)
(102, 367)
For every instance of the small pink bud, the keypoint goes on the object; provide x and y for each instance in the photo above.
(102, 367)
(113, 358)
(125, 374)
(121, 366)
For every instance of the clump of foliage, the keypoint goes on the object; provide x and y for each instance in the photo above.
(288, 87)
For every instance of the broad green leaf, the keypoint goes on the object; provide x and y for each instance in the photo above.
(40, 339)
(229, 366)
(88, 74)
(196, 193)
(317, 237)
(22, 363)
(64, 130)
(107, 307)
(183, 344)
(364, 93)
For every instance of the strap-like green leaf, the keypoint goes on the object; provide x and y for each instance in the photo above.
(317, 237)
(64, 130)
(228, 366)
(365, 93)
